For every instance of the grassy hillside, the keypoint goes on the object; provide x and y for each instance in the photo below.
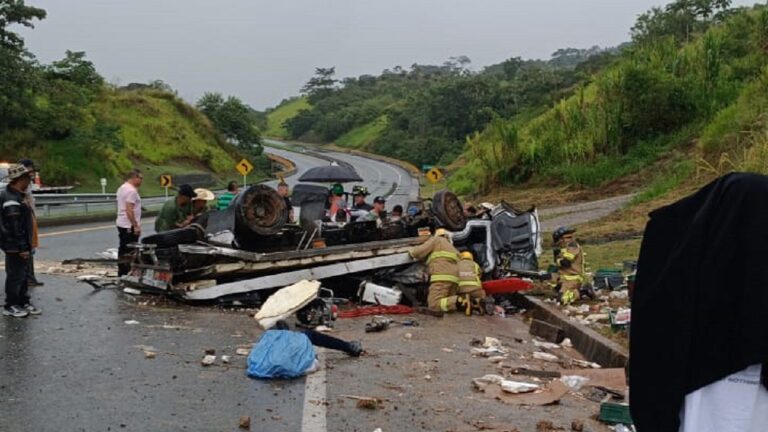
(149, 129)
(662, 95)
(362, 136)
(281, 113)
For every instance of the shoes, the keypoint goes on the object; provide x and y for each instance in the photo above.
(464, 303)
(15, 311)
(356, 349)
(34, 283)
(29, 307)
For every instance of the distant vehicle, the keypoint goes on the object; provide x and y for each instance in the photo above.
(37, 186)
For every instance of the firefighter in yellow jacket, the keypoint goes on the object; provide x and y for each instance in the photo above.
(569, 259)
(442, 260)
(470, 283)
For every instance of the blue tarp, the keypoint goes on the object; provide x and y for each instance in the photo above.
(281, 354)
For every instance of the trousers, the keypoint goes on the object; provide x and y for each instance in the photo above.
(442, 296)
(16, 282)
(126, 236)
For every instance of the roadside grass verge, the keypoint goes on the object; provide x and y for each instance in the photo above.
(280, 114)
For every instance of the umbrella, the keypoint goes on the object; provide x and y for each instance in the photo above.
(330, 174)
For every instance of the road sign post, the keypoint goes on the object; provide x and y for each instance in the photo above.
(103, 182)
(434, 175)
(244, 167)
(166, 181)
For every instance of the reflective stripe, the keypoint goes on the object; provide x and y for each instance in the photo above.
(442, 254)
(444, 304)
(573, 278)
(470, 283)
(443, 278)
(568, 255)
(11, 203)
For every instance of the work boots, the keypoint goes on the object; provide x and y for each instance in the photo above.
(484, 306)
(464, 303)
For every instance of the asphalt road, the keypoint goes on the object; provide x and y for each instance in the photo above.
(79, 366)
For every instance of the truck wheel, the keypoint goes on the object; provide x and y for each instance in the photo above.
(174, 237)
(261, 210)
(446, 206)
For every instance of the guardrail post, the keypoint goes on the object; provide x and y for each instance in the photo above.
(86, 208)
(47, 209)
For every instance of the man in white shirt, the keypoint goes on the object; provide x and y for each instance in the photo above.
(128, 217)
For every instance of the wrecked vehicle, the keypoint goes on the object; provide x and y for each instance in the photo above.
(249, 249)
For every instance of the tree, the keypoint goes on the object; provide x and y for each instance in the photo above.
(320, 85)
(15, 12)
(233, 119)
(76, 69)
(679, 19)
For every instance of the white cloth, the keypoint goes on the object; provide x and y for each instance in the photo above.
(738, 403)
(127, 193)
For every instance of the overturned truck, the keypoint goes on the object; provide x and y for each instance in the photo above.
(246, 252)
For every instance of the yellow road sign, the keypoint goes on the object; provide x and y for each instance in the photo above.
(434, 175)
(244, 167)
(166, 180)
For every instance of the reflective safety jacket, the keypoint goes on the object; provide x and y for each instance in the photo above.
(469, 274)
(441, 257)
(570, 262)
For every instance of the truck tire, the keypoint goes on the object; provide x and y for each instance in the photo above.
(174, 237)
(447, 208)
(260, 210)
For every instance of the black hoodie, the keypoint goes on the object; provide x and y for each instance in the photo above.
(700, 306)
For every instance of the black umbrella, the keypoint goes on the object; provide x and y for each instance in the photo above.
(330, 174)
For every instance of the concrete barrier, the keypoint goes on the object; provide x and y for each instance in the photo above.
(289, 168)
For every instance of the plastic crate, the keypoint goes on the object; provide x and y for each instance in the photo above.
(614, 413)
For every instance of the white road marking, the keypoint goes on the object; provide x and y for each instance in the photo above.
(82, 230)
(314, 413)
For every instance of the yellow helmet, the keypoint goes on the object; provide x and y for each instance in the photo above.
(441, 232)
(467, 255)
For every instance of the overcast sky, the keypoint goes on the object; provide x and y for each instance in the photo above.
(264, 51)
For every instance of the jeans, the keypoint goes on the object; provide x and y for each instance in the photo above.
(16, 283)
(31, 268)
(126, 236)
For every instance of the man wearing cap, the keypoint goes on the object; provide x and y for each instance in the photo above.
(30, 201)
(176, 213)
(377, 212)
(16, 241)
(283, 191)
(128, 217)
(337, 206)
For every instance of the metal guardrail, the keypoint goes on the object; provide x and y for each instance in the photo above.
(63, 199)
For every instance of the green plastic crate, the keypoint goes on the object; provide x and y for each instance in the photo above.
(613, 412)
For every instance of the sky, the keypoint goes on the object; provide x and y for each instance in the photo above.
(264, 51)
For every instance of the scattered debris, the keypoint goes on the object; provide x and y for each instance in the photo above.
(245, 422)
(486, 380)
(149, 354)
(131, 291)
(377, 324)
(428, 377)
(491, 342)
(226, 359)
(496, 359)
(364, 402)
(547, 426)
(615, 413)
(547, 331)
(408, 335)
(585, 364)
(323, 329)
(208, 360)
(131, 322)
(574, 382)
(448, 350)
(566, 343)
(536, 373)
(546, 356)
(516, 387)
(487, 352)
(601, 317)
(546, 345)
(242, 351)
(577, 426)
(210, 351)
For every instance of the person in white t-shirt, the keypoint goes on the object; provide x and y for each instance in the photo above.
(737, 403)
(128, 217)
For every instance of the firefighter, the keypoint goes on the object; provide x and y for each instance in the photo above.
(569, 259)
(469, 281)
(442, 259)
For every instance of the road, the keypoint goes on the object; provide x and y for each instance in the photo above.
(79, 366)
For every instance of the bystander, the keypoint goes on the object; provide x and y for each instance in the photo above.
(128, 217)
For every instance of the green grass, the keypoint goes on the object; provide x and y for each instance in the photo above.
(280, 114)
(361, 136)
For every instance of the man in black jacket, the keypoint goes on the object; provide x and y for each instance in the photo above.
(16, 242)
